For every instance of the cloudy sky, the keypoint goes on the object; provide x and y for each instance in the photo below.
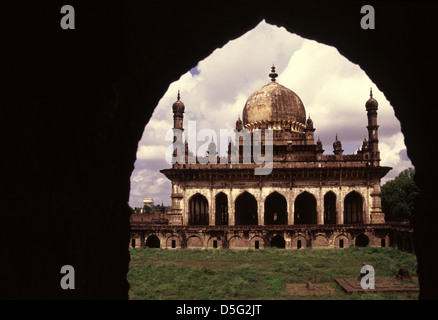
(333, 90)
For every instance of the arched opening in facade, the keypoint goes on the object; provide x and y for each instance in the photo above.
(353, 208)
(278, 242)
(246, 209)
(330, 208)
(305, 209)
(153, 242)
(221, 209)
(362, 241)
(275, 209)
(198, 210)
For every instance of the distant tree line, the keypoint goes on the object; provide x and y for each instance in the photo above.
(398, 197)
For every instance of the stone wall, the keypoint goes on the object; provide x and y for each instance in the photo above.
(333, 237)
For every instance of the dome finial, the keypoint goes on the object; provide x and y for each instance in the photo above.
(371, 92)
(273, 74)
(178, 96)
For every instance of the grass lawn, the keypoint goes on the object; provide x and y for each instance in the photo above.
(217, 274)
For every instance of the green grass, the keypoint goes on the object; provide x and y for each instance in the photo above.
(257, 274)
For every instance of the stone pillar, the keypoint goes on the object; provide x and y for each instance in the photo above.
(340, 207)
(162, 238)
(291, 210)
(212, 210)
(287, 240)
(231, 211)
(185, 209)
(375, 208)
(320, 208)
(260, 209)
(366, 207)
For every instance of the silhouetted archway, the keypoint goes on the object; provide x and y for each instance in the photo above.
(353, 208)
(362, 241)
(198, 210)
(221, 209)
(117, 102)
(330, 208)
(278, 242)
(153, 241)
(275, 209)
(305, 209)
(246, 209)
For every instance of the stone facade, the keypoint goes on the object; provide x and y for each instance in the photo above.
(309, 199)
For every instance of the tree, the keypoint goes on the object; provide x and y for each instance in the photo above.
(398, 196)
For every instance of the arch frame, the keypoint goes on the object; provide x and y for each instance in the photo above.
(204, 214)
(282, 217)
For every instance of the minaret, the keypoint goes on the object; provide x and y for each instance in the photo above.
(309, 132)
(337, 146)
(376, 213)
(178, 117)
(239, 125)
(178, 111)
(373, 138)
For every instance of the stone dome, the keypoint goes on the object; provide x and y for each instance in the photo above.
(371, 103)
(178, 106)
(274, 106)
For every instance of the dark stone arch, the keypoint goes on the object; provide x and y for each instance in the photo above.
(198, 210)
(330, 208)
(153, 241)
(305, 209)
(275, 209)
(278, 242)
(110, 65)
(353, 208)
(246, 211)
(362, 240)
(221, 201)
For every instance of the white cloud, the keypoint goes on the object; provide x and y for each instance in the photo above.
(333, 90)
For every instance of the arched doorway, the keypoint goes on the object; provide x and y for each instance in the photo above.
(198, 210)
(246, 209)
(362, 241)
(221, 209)
(153, 242)
(330, 208)
(275, 209)
(305, 209)
(353, 208)
(278, 242)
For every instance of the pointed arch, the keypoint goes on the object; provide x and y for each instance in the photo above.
(275, 209)
(246, 209)
(221, 205)
(330, 208)
(305, 209)
(353, 208)
(198, 210)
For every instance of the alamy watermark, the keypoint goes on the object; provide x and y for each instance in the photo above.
(257, 147)
(68, 280)
(367, 280)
